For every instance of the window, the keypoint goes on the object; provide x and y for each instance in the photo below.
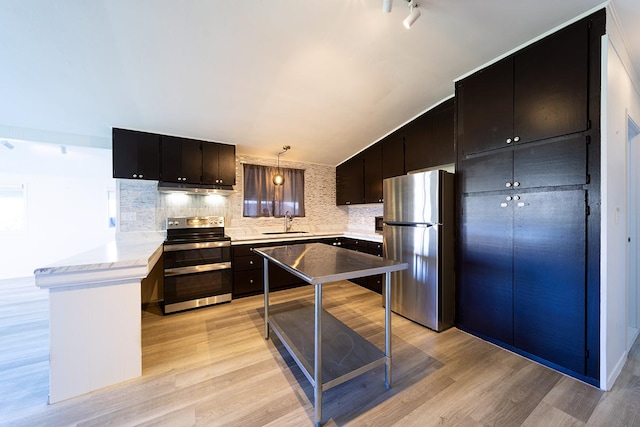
(263, 198)
(12, 207)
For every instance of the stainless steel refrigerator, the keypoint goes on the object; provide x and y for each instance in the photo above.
(418, 228)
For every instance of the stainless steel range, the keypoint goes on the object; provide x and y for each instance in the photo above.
(197, 263)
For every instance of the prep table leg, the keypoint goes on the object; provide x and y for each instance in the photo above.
(317, 368)
(266, 299)
(387, 329)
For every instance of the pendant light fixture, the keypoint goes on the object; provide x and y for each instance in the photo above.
(278, 178)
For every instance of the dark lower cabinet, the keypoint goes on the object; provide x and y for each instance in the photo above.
(485, 288)
(522, 276)
(549, 298)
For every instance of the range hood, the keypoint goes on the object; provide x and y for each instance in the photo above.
(202, 189)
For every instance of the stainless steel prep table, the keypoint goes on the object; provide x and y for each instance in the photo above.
(348, 354)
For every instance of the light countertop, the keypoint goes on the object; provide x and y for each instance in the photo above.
(133, 254)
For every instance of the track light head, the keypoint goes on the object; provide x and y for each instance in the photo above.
(413, 15)
(386, 6)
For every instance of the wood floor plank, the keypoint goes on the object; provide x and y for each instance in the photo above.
(212, 367)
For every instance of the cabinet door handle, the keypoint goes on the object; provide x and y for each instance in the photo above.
(135, 175)
(250, 280)
(521, 204)
(508, 198)
(250, 262)
(516, 139)
(507, 184)
(516, 184)
(504, 205)
(516, 197)
(509, 140)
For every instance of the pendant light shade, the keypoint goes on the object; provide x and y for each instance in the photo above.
(278, 178)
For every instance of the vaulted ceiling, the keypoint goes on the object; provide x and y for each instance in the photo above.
(326, 77)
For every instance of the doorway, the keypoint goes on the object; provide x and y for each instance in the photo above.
(633, 227)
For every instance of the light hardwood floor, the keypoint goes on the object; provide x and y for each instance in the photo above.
(212, 366)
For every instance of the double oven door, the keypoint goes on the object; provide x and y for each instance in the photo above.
(196, 274)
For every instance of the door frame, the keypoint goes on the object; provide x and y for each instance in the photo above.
(633, 232)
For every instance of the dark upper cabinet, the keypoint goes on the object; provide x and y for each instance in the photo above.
(538, 93)
(442, 148)
(181, 160)
(373, 174)
(136, 155)
(429, 138)
(350, 181)
(392, 155)
(425, 142)
(219, 163)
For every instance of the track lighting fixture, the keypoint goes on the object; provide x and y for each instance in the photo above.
(414, 14)
(278, 178)
(7, 144)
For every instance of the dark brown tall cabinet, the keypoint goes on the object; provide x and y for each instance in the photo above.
(528, 182)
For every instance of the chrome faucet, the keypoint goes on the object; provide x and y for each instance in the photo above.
(287, 221)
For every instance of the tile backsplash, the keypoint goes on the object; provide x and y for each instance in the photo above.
(142, 207)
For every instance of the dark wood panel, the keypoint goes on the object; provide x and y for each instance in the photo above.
(249, 282)
(441, 144)
(393, 155)
(551, 164)
(191, 161)
(551, 85)
(417, 142)
(549, 277)
(171, 159)
(135, 154)
(373, 174)
(486, 173)
(247, 262)
(226, 164)
(485, 293)
(485, 108)
(350, 181)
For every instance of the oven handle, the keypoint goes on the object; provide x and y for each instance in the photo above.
(197, 269)
(202, 245)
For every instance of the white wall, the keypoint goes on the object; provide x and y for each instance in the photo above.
(621, 99)
(67, 210)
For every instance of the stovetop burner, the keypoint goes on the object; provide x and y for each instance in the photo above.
(195, 229)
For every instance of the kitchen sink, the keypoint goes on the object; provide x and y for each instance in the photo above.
(284, 232)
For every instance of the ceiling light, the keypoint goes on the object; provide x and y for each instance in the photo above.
(278, 178)
(9, 145)
(413, 15)
(386, 6)
(63, 149)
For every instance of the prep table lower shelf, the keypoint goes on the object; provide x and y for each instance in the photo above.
(345, 354)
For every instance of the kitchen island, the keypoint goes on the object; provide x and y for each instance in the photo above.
(347, 354)
(94, 314)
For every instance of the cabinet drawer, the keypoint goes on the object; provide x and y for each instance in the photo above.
(249, 282)
(374, 248)
(248, 262)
